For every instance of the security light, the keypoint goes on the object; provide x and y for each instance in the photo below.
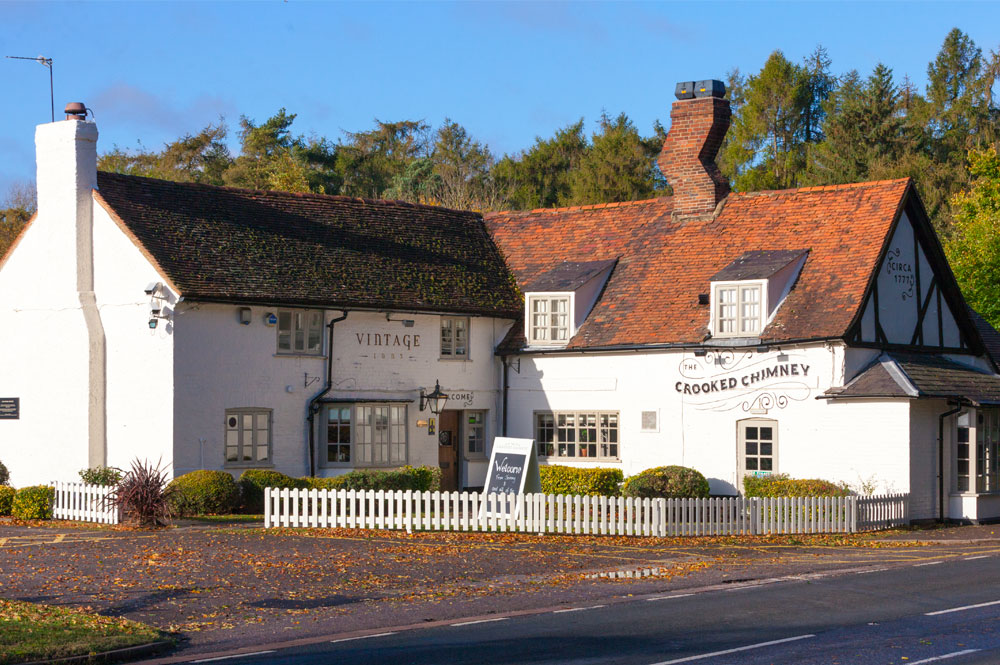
(153, 287)
(152, 323)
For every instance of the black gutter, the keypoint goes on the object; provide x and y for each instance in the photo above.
(941, 458)
(666, 346)
(314, 402)
(395, 309)
(506, 391)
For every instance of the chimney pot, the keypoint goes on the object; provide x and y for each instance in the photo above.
(76, 111)
(684, 90)
(710, 88)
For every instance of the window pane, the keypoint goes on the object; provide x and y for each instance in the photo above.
(765, 463)
(751, 464)
(751, 432)
(261, 453)
(765, 433)
(765, 448)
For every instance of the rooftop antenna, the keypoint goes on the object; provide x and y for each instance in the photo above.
(45, 62)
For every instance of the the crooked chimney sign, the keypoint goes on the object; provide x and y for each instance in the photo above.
(724, 380)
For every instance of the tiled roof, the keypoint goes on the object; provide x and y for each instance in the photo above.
(226, 244)
(758, 264)
(917, 375)
(989, 335)
(568, 276)
(665, 261)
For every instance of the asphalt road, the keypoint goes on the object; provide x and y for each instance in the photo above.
(944, 611)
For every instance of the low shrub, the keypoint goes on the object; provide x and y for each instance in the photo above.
(667, 482)
(143, 495)
(252, 483)
(4, 475)
(334, 483)
(33, 503)
(105, 476)
(583, 481)
(781, 485)
(418, 479)
(204, 492)
(6, 499)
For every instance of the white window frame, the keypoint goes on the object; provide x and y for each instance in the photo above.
(759, 455)
(555, 450)
(372, 444)
(450, 346)
(255, 431)
(529, 317)
(474, 432)
(302, 321)
(740, 315)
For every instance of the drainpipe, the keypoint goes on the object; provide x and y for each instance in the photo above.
(941, 459)
(314, 402)
(506, 390)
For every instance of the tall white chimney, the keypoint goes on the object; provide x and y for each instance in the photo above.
(66, 154)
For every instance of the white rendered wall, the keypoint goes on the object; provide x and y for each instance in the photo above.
(222, 364)
(140, 381)
(817, 438)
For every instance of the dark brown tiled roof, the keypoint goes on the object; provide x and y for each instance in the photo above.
(919, 375)
(226, 244)
(666, 261)
(989, 335)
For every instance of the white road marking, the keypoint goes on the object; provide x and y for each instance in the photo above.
(577, 609)
(736, 650)
(469, 623)
(360, 637)
(929, 563)
(944, 657)
(239, 655)
(973, 558)
(961, 609)
(873, 570)
(679, 595)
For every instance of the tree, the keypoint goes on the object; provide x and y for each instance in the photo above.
(540, 176)
(619, 165)
(368, 162)
(16, 208)
(463, 167)
(767, 147)
(270, 157)
(974, 247)
(819, 83)
(202, 157)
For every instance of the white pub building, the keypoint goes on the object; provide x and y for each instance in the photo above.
(815, 332)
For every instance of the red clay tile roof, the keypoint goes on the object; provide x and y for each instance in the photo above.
(664, 262)
(227, 244)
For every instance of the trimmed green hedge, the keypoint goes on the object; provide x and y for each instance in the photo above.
(782, 485)
(6, 499)
(418, 479)
(33, 503)
(582, 481)
(203, 493)
(252, 483)
(667, 482)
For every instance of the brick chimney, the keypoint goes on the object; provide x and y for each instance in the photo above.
(698, 123)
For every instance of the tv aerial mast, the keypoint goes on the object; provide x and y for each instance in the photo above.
(45, 62)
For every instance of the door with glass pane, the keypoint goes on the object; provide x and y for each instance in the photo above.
(758, 448)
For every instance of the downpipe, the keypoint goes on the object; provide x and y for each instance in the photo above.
(941, 418)
(314, 402)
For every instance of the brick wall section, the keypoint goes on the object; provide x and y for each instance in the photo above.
(697, 128)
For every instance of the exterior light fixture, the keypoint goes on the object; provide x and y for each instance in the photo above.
(435, 400)
(152, 323)
(701, 353)
(407, 323)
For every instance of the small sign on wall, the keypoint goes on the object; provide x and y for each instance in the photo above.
(10, 408)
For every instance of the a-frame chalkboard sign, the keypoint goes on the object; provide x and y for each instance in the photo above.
(513, 470)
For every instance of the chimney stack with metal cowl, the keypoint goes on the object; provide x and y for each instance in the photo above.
(698, 123)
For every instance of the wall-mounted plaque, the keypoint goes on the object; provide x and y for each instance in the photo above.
(10, 408)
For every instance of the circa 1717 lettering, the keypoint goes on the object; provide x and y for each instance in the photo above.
(747, 380)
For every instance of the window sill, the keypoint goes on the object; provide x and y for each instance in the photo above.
(455, 360)
(974, 495)
(299, 355)
(476, 458)
(595, 460)
(248, 465)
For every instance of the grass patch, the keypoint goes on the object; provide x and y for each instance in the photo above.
(42, 632)
(216, 519)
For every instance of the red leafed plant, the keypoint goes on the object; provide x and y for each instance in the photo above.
(142, 495)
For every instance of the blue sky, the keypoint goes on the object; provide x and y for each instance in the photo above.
(506, 71)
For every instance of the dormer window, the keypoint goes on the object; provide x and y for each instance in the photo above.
(738, 310)
(747, 293)
(549, 319)
(557, 301)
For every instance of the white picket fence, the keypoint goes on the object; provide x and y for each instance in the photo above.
(83, 503)
(599, 515)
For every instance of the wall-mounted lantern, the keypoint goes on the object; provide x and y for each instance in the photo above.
(245, 314)
(435, 400)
